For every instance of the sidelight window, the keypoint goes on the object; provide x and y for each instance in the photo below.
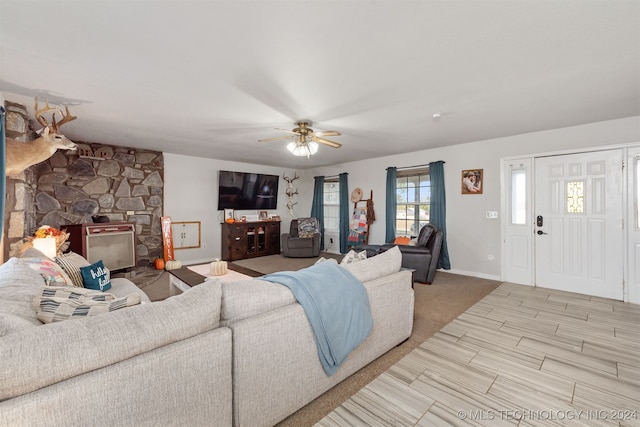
(518, 197)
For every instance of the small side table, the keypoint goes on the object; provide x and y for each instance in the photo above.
(183, 279)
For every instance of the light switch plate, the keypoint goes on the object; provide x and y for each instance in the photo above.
(492, 214)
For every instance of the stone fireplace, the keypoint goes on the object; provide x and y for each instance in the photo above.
(71, 187)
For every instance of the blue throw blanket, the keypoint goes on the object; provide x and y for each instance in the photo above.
(337, 306)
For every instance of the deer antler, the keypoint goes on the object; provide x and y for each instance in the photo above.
(39, 113)
(65, 119)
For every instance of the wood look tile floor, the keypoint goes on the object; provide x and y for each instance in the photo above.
(521, 356)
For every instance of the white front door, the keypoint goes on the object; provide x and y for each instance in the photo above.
(578, 223)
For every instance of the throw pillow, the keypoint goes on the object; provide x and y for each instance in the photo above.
(307, 227)
(402, 240)
(73, 292)
(56, 304)
(323, 259)
(52, 273)
(96, 276)
(71, 264)
(353, 256)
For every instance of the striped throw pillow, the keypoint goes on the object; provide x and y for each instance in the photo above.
(57, 303)
(71, 264)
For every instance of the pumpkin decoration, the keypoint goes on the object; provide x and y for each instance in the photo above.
(159, 264)
(218, 268)
(229, 220)
(172, 265)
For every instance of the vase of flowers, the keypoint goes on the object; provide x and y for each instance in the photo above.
(41, 239)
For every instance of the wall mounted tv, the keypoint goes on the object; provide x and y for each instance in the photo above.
(247, 191)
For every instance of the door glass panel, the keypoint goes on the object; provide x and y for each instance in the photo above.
(575, 197)
(518, 197)
(636, 196)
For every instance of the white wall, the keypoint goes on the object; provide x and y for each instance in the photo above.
(474, 241)
(191, 194)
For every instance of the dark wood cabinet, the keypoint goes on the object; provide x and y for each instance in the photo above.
(242, 240)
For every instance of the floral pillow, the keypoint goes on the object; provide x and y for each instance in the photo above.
(307, 227)
(52, 273)
(353, 256)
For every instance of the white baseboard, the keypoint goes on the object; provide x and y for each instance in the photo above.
(472, 274)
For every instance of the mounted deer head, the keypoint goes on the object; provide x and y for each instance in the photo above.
(21, 155)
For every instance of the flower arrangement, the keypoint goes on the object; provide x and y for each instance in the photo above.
(47, 231)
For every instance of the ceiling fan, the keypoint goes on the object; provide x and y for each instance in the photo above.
(306, 140)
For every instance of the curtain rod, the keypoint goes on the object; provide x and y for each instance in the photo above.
(414, 166)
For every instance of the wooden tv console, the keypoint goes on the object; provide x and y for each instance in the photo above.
(241, 240)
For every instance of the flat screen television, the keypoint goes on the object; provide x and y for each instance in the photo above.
(247, 191)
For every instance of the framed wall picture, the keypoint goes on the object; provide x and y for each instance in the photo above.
(472, 181)
(228, 215)
(263, 215)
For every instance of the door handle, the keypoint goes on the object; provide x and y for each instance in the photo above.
(540, 232)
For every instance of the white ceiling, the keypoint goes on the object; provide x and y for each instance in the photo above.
(210, 78)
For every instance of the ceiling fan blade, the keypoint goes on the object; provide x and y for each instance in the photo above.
(276, 138)
(326, 142)
(327, 133)
(288, 130)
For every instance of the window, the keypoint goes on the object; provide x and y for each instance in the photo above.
(331, 205)
(413, 197)
(636, 196)
(575, 197)
(518, 197)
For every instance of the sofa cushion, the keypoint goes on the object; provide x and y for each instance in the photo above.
(246, 298)
(121, 287)
(10, 323)
(70, 302)
(19, 284)
(71, 264)
(380, 265)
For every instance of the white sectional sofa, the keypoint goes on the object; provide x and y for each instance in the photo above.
(221, 354)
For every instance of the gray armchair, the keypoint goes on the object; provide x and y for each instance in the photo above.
(302, 240)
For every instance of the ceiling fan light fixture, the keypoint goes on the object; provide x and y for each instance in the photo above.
(303, 148)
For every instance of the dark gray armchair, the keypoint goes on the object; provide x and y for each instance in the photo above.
(302, 240)
(421, 257)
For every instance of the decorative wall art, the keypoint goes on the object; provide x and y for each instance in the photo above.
(290, 192)
(472, 181)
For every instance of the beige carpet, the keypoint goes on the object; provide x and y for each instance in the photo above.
(435, 306)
